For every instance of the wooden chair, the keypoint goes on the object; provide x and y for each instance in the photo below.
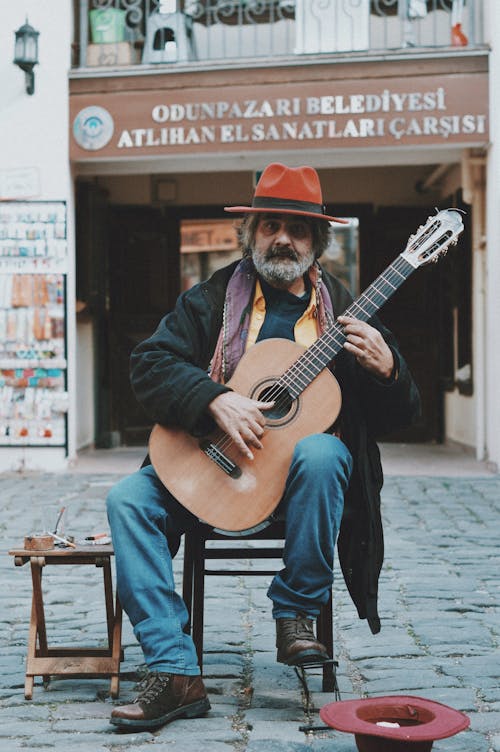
(196, 554)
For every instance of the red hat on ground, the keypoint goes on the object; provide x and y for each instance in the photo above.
(400, 723)
(288, 190)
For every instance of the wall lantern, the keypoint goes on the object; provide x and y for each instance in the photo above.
(26, 53)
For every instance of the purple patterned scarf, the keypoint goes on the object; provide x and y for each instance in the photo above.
(238, 309)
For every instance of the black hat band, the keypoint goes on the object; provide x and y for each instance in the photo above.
(270, 202)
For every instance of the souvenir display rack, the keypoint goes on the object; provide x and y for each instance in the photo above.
(33, 378)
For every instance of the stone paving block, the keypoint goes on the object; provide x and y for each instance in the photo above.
(203, 730)
(467, 741)
(490, 694)
(278, 699)
(16, 728)
(495, 743)
(488, 722)
(186, 744)
(25, 712)
(80, 711)
(309, 745)
(403, 683)
(288, 730)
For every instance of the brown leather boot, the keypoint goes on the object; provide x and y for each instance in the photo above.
(296, 642)
(163, 698)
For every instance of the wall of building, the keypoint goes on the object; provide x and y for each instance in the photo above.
(384, 186)
(492, 283)
(34, 137)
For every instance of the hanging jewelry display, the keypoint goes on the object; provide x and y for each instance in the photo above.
(33, 267)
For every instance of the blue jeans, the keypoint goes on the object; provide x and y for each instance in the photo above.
(142, 514)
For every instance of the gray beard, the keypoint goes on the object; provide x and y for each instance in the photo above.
(281, 272)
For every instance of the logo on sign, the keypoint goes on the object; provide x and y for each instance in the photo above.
(93, 128)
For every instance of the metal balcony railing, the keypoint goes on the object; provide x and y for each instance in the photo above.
(168, 32)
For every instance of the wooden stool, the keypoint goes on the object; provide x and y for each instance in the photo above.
(196, 553)
(45, 661)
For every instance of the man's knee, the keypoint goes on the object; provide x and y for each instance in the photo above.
(322, 452)
(125, 499)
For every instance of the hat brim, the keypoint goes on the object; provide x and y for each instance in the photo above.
(255, 210)
(420, 719)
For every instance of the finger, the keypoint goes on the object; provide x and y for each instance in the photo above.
(359, 342)
(344, 320)
(264, 405)
(358, 353)
(256, 428)
(253, 440)
(241, 445)
(359, 329)
(249, 438)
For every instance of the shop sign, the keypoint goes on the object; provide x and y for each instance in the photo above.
(425, 110)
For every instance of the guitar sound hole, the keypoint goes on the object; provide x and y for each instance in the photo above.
(282, 401)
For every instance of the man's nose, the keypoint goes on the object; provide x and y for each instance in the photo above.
(283, 236)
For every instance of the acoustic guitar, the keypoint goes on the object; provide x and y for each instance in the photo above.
(210, 477)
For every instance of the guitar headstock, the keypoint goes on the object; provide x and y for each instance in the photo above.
(433, 239)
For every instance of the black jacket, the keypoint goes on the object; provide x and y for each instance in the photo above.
(169, 377)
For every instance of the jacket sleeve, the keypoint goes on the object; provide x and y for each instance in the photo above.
(384, 405)
(392, 404)
(169, 369)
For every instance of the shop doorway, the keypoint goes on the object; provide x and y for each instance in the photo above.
(143, 285)
(412, 314)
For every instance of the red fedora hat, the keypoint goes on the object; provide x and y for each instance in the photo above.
(288, 190)
(399, 723)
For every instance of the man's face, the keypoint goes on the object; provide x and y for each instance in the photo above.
(282, 249)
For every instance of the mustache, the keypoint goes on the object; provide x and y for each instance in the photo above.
(281, 252)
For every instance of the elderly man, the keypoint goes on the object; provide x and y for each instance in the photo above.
(180, 377)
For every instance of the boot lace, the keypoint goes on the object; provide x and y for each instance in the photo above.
(151, 687)
(299, 628)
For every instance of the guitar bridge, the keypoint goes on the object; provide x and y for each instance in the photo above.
(221, 460)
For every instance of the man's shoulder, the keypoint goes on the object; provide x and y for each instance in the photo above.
(213, 286)
(223, 274)
(336, 288)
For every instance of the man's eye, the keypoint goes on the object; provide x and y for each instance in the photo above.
(271, 227)
(299, 230)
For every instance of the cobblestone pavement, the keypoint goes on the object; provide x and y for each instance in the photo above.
(440, 635)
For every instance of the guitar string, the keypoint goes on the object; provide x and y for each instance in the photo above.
(334, 335)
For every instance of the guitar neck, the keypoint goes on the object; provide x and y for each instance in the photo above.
(330, 343)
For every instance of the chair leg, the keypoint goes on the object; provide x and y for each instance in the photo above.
(188, 576)
(325, 636)
(198, 602)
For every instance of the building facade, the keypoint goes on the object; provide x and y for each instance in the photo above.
(149, 117)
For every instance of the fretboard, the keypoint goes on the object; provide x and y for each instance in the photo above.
(321, 353)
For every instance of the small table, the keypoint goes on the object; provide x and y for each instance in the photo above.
(45, 661)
